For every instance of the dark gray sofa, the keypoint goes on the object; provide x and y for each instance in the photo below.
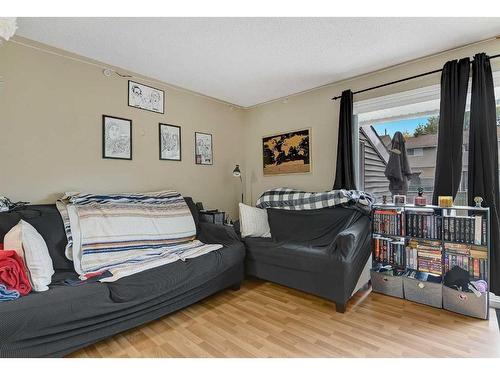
(66, 318)
(322, 252)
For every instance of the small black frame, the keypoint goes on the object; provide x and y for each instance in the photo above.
(180, 141)
(144, 109)
(212, 147)
(104, 139)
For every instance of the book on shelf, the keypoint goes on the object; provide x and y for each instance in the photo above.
(465, 229)
(388, 250)
(389, 222)
(423, 276)
(471, 258)
(430, 242)
(424, 256)
(423, 224)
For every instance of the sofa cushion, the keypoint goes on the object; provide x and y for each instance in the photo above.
(34, 319)
(299, 256)
(47, 221)
(317, 227)
(175, 278)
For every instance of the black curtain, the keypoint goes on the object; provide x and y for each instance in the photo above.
(483, 156)
(344, 173)
(454, 82)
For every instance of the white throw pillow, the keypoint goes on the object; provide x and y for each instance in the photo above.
(31, 247)
(253, 222)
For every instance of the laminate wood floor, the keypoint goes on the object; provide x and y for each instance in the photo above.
(263, 319)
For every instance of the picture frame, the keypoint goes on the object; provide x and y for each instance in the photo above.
(287, 153)
(399, 200)
(203, 148)
(116, 138)
(169, 141)
(146, 97)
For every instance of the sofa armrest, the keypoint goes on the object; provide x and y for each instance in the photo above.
(351, 240)
(237, 229)
(217, 234)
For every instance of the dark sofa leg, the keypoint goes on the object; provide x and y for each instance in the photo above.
(236, 286)
(340, 307)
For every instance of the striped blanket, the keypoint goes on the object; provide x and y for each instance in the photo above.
(291, 199)
(128, 233)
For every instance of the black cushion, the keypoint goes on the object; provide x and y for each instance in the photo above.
(292, 255)
(176, 277)
(318, 227)
(47, 221)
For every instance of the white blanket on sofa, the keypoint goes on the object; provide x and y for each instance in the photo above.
(128, 233)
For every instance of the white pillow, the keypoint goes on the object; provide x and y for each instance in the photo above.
(253, 222)
(31, 247)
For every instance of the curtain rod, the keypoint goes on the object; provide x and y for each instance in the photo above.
(403, 80)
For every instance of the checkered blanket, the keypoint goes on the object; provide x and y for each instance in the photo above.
(291, 199)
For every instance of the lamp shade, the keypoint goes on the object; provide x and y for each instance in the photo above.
(236, 171)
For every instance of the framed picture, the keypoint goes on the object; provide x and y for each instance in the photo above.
(203, 148)
(170, 142)
(116, 138)
(146, 97)
(399, 200)
(288, 152)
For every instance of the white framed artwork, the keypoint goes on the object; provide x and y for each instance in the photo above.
(203, 148)
(146, 97)
(116, 138)
(170, 142)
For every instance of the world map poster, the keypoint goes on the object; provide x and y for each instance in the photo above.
(287, 153)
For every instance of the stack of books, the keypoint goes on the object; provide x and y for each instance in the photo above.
(424, 256)
(423, 224)
(471, 258)
(389, 251)
(422, 240)
(464, 229)
(390, 222)
(478, 264)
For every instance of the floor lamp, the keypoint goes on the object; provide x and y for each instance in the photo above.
(237, 173)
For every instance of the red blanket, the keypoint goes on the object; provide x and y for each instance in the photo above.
(12, 272)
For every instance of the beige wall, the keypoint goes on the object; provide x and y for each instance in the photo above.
(315, 109)
(50, 130)
(51, 111)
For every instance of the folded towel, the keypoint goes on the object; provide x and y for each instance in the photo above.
(8, 295)
(13, 272)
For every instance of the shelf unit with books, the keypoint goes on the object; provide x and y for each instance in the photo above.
(415, 246)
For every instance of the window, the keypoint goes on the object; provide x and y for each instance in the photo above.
(415, 114)
(415, 151)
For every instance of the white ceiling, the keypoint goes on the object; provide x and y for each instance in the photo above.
(247, 61)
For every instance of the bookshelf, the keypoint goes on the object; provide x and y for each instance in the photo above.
(414, 247)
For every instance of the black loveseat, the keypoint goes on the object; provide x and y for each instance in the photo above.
(66, 318)
(322, 252)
